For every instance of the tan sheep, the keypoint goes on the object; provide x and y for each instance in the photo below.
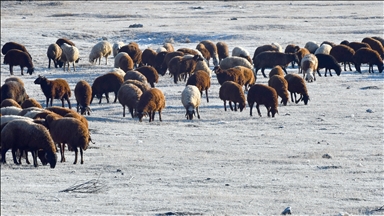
(232, 92)
(151, 101)
(281, 86)
(129, 95)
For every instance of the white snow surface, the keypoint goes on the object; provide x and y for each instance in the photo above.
(226, 163)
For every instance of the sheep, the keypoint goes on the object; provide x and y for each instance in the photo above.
(161, 49)
(166, 62)
(118, 71)
(70, 55)
(70, 131)
(151, 101)
(263, 94)
(13, 90)
(211, 47)
(13, 45)
(135, 75)
(281, 86)
(241, 52)
(150, 73)
(159, 63)
(201, 80)
(17, 79)
(311, 46)
(291, 48)
(249, 77)
(300, 55)
(279, 47)
(277, 70)
(356, 45)
(54, 53)
(324, 49)
(54, 89)
(115, 48)
(202, 65)
(343, 53)
(124, 61)
(106, 83)
(186, 66)
(328, 62)
(271, 59)
(16, 57)
(63, 112)
(329, 43)
(141, 85)
(30, 102)
(375, 45)
(191, 99)
(17, 135)
(34, 112)
(296, 84)
(83, 94)
(309, 66)
(231, 74)
(148, 57)
(189, 51)
(369, 56)
(234, 61)
(232, 92)
(129, 95)
(9, 102)
(10, 110)
(133, 50)
(169, 47)
(61, 41)
(380, 39)
(222, 50)
(264, 48)
(204, 51)
(101, 49)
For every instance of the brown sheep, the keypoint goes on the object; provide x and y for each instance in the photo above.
(211, 47)
(189, 51)
(141, 85)
(13, 90)
(54, 53)
(222, 50)
(151, 101)
(344, 54)
(186, 66)
(375, 45)
(232, 92)
(270, 59)
(135, 75)
(281, 86)
(124, 61)
(159, 64)
(83, 95)
(264, 48)
(201, 80)
(249, 77)
(300, 55)
(106, 83)
(17, 79)
(148, 57)
(296, 84)
(277, 70)
(150, 73)
(129, 95)
(263, 94)
(204, 51)
(167, 59)
(16, 57)
(231, 74)
(356, 45)
(65, 112)
(133, 51)
(291, 48)
(13, 45)
(61, 41)
(54, 89)
(380, 39)
(9, 102)
(369, 56)
(30, 102)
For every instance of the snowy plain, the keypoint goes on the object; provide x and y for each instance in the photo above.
(226, 163)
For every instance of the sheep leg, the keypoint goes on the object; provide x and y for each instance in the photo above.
(11, 69)
(73, 64)
(230, 105)
(225, 105)
(131, 111)
(51, 100)
(206, 94)
(106, 97)
(3, 151)
(258, 110)
(62, 147)
(251, 107)
(26, 157)
(75, 155)
(330, 73)
(268, 110)
(69, 102)
(160, 115)
(77, 107)
(301, 96)
(318, 72)
(34, 156)
(62, 102)
(292, 96)
(285, 70)
(198, 114)
(81, 155)
(350, 69)
(14, 156)
(106, 60)
(293, 64)
(49, 63)
(47, 102)
(21, 68)
(262, 71)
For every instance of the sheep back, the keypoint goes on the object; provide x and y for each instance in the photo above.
(135, 75)
(343, 53)
(233, 61)
(148, 57)
(31, 102)
(150, 73)
(277, 70)
(375, 45)
(370, 56)
(222, 50)
(231, 74)
(141, 85)
(124, 61)
(9, 102)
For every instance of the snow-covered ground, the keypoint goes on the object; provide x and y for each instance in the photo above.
(226, 163)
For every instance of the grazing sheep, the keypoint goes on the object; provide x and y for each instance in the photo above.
(148, 57)
(231, 74)
(211, 47)
(343, 53)
(83, 95)
(150, 73)
(296, 84)
(191, 99)
(30, 102)
(13, 45)
(10, 110)
(186, 66)
(129, 95)
(106, 83)
(54, 89)
(101, 49)
(328, 62)
(9, 102)
(16, 57)
(169, 47)
(329, 43)
(375, 45)
(380, 39)
(202, 65)
(141, 85)
(201, 80)
(124, 61)
(309, 65)
(135, 75)
(17, 134)
(116, 47)
(369, 56)
(204, 51)
(64, 112)
(33, 112)
(234, 61)
(70, 55)
(13, 90)
(270, 59)
(249, 77)
(277, 70)
(61, 41)
(300, 55)
(151, 101)
(166, 62)
(311, 46)
(159, 64)
(17, 79)
(118, 71)
(161, 49)
(264, 48)
(232, 92)
(188, 51)
(324, 49)
(241, 52)
(54, 53)
(222, 50)
(70, 131)
(291, 48)
(356, 45)
(133, 50)
(281, 86)
(263, 94)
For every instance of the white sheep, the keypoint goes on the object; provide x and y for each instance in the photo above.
(234, 61)
(118, 71)
(70, 55)
(119, 57)
(161, 49)
(115, 48)
(241, 52)
(135, 75)
(309, 65)
(311, 46)
(129, 95)
(10, 110)
(191, 99)
(278, 46)
(54, 53)
(101, 49)
(324, 49)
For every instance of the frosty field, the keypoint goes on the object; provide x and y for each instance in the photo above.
(226, 163)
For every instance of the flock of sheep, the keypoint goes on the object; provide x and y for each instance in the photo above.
(133, 79)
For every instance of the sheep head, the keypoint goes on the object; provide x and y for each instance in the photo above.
(30, 70)
(40, 79)
(140, 115)
(190, 113)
